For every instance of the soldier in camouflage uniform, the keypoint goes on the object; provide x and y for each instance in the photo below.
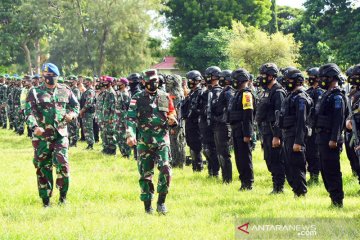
(24, 92)
(17, 107)
(3, 102)
(122, 106)
(73, 126)
(48, 108)
(177, 134)
(87, 112)
(109, 117)
(98, 108)
(151, 112)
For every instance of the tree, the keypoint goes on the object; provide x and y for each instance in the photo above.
(273, 23)
(251, 47)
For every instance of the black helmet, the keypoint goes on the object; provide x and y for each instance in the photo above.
(194, 75)
(162, 80)
(239, 76)
(225, 78)
(355, 70)
(213, 71)
(294, 74)
(135, 77)
(353, 74)
(330, 70)
(269, 69)
(284, 70)
(313, 71)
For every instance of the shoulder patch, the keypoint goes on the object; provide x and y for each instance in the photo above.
(247, 101)
(338, 100)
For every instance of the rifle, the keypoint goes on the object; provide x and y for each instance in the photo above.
(355, 137)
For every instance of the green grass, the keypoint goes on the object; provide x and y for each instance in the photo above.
(103, 200)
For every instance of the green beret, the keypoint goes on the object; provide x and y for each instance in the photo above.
(60, 80)
(89, 79)
(72, 77)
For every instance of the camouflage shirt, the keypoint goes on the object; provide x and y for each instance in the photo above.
(109, 105)
(47, 108)
(88, 100)
(3, 94)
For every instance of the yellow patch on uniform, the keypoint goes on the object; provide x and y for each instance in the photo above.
(247, 101)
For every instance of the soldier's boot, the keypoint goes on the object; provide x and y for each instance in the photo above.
(197, 163)
(314, 179)
(112, 151)
(277, 189)
(62, 198)
(4, 126)
(227, 172)
(148, 208)
(11, 126)
(161, 208)
(337, 204)
(20, 131)
(90, 147)
(245, 187)
(46, 202)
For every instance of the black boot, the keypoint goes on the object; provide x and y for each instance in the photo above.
(245, 187)
(62, 198)
(314, 179)
(197, 162)
(277, 189)
(337, 204)
(161, 208)
(11, 127)
(148, 208)
(90, 147)
(46, 202)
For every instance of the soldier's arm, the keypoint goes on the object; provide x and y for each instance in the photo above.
(30, 109)
(279, 97)
(300, 121)
(248, 107)
(172, 111)
(73, 107)
(338, 118)
(131, 118)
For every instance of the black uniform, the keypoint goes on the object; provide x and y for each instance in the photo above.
(270, 102)
(190, 113)
(241, 111)
(293, 117)
(207, 134)
(349, 147)
(222, 130)
(329, 123)
(312, 150)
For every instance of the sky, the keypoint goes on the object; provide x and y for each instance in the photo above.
(291, 3)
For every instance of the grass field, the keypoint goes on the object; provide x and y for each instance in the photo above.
(103, 200)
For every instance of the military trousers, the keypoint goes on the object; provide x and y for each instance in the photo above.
(331, 172)
(312, 155)
(121, 138)
(193, 140)
(295, 167)
(88, 127)
(49, 154)
(149, 155)
(3, 116)
(350, 152)
(209, 148)
(222, 137)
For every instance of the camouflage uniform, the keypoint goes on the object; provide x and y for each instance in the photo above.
(99, 118)
(17, 113)
(46, 108)
(148, 113)
(109, 121)
(3, 102)
(88, 104)
(73, 126)
(177, 134)
(123, 101)
(10, 106)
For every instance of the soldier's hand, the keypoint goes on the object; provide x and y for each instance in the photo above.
(68, 118)
(297, 147)
(38, 131)
(275, 142)
(348, 124)
(131, 141)
(333, 144)
(247, 139)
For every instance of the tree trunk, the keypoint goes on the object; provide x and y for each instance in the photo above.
(102, 50)
(38, 57)
(27, 56)
(273, 24)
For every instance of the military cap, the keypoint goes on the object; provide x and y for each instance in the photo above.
(50, 67)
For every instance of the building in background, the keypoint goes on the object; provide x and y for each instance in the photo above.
(167, 66)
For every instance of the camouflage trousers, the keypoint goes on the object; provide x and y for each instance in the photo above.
(108, 136)
(121, 139)
(73, 130)
(19, 119)
(88, 128)
(3, 116)
(149, 155)
(46, 155)
(10, 111)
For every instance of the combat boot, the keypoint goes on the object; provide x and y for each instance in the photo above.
(46, 202)
(314, 179)
(90, 147)
(245, 187)
(148, 208)
(161, 208)
(277, 190)
(62, 198)
(11, 127)
(337, 204)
